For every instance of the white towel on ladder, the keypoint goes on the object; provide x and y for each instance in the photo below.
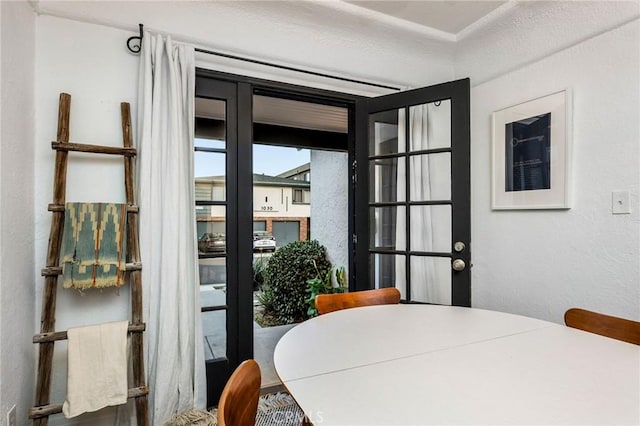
(97, 368)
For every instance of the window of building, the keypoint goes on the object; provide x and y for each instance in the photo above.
(301, 196)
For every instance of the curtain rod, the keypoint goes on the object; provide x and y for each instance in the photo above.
(135, 48)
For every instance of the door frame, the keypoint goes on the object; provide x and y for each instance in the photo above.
(239, 255)
(240, 169)
(458, 92)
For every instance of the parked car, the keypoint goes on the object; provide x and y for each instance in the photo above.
(263, 241)
(212, 243)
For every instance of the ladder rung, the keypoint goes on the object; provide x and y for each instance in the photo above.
(134, 267)
(55, 207)
(131, 208)
(57, 270)
(97, 149)
(47, 410)
(62, 335)
(51, 271)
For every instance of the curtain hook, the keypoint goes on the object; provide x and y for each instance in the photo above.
(135, 48)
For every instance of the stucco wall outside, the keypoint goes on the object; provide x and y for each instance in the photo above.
(330, 203)
(17, 275)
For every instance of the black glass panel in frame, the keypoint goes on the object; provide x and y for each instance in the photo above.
(528, 154)
(382, 232)
(215, 336)
(383, 138)
(383, 269)
(383, 180)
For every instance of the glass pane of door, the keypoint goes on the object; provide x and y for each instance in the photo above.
(430, 125)
(388, 270)
(210, 172)
(214, 327)
(430, 177)
(383, 128)
(385, 221)
(386, 188)
(430, 228)
(431, 279)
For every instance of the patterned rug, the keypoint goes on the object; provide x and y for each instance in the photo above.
(275, 409)
(278, 409)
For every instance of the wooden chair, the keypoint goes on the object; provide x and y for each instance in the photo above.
(238, 404)
(326, 303)
(604, 325)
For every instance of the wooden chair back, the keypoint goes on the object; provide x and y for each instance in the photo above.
(238, 404)
(604, 325)
(326, 303)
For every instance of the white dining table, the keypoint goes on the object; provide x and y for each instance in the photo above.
(445, 365)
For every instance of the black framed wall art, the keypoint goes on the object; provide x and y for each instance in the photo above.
(531, 153)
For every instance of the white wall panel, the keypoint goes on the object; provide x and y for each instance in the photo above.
(540, 263)
(17, 50)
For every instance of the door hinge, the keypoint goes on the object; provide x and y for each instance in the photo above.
(354, 239)
(354, 172)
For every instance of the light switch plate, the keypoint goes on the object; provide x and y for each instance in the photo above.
(620, 202)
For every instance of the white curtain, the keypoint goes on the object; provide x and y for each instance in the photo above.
(429, 281)
(168, 247)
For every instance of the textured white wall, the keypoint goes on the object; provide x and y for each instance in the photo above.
(91, 64)
(539, 263)
(330, 204)
(16, 208)
(532, 30)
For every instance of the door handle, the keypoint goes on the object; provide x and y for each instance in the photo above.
(458, 265)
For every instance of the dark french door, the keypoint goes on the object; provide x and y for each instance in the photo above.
(412, 195)
(222, 158)
(409, 218)
(224, 137)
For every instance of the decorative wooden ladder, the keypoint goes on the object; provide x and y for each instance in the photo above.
(48, 336)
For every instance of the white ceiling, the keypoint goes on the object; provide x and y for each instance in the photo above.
(443, 15)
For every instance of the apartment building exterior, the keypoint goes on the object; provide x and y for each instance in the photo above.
(281, 206)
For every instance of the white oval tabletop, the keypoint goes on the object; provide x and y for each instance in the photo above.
(427, 364)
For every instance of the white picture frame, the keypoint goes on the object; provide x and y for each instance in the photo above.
(531, 154)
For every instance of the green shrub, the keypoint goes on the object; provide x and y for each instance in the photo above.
(285, 279)
(316, 286)
(259, 267)
(265, 297)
